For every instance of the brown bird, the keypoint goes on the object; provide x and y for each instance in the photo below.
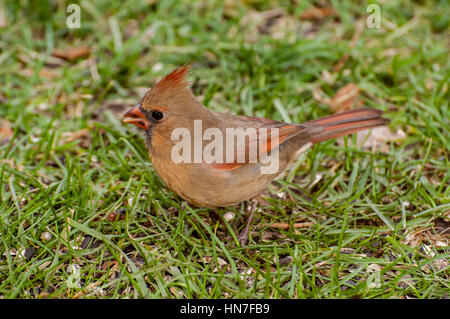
(227, 179)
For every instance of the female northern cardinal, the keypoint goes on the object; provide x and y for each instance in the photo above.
(171, 105)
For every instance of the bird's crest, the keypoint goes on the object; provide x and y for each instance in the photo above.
(172, 87)
(176, 79)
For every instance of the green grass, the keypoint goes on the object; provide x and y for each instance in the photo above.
(95, 220)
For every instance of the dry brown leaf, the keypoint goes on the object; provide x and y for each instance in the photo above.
(72, 136)
(275, 23)
(377, 138)
(54, 62)
(6, 133)
(43, 73)
(302, 225)
(112, 265)
(3, 16)
(116, 215)
(344, 99)
(328, 77)
(287, 226)
(258, 17)
(317, 13)
(280, 28)
(72, 53)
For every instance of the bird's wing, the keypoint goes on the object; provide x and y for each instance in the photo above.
(268, 135)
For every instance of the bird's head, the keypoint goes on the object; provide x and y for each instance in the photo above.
(168, 105)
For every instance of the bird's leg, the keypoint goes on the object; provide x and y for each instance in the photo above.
(243, 236)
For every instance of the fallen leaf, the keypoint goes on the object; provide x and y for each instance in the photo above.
(228, 216)
(287, 226)
(317, 13)
(259, 17)
(275, 23)
(54, 62)
(116, 215)
(112, 265)
(302, 225)
(72, 53)
(377, 137)
(441, 243)
(3, 16)
(344, 99)
(6, 133)
(72, 136)
(328, 77)
(26, 72)
(43, 73)
(43, 295)
(411, 239)
(206, 259)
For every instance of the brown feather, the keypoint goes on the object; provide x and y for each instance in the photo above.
(344, 123)
(172, 90)
(175, 80)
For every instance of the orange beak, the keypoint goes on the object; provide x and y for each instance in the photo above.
(136, 117)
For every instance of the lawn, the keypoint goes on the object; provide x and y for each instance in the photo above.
(84, 215)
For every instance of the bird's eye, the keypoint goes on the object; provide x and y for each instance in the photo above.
(157, 115)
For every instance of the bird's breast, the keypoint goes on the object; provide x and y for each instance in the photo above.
(205, 186)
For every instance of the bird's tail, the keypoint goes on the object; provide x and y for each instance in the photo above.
(344, 123)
